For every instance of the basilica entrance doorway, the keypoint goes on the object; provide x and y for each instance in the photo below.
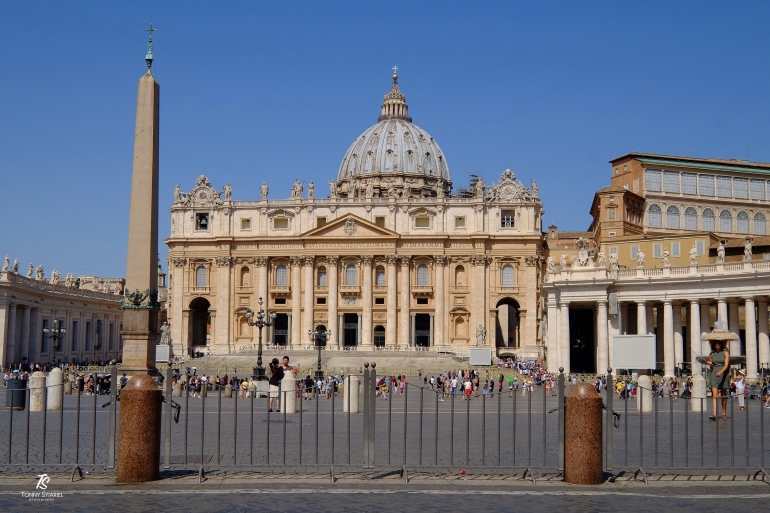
(281, 330)
(582, 340)
(200, 323)
(379, 336)
(507, 331)
(351, 329)
(422, 330)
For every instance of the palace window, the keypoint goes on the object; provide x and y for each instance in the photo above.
(675, 249)
(700, 247)
(320, 300)
(379, 301)
(741, 188)
(725, 221)
(322, 277)
(245, 277)
(708, 222)
(657, 251)
(743, 222)
(757, 189)
(281, 223)
(379, 277)
(724, 187)
(652, 179)
(611, 213)
(380, 221)
(200, 276)
(507, 276)
(245, 225)
(201, 221)
(672, 217)
(689, 183)
(422, 222)
(506, 219)
(634, 251)
(351, 277)
(281, 276)
(655, 216)
(111, 341)
(671, 181)
(706, 185)
(690, 219)
(422, 275)
(760, 223)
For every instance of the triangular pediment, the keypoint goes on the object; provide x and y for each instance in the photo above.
(351, 227)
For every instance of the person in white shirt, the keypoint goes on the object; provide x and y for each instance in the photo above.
(740, 388)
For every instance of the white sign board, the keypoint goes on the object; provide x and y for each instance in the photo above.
(162, 353)
(633, 352)
(480, 356)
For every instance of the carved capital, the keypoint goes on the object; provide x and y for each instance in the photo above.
(391, 259)
(405, 260)
(367, 260)
(532, 260)
(479, 260)
(308, 260)
(332, 259)
(179, 262)
(295, 261)
(224, 261)
(440, 259)
(261, 261)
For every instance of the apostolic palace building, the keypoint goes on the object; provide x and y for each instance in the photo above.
(388, 257)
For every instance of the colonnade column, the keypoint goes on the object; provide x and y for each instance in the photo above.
(479, 293)
(602, 337)
(693, 321)
(331, 301)
(705, 327)
(763, 340)
(678, 339)
(751, 339)
(733, 325)
(341, 331)
(438, 298)
(649, 313)
(307, 317)
(4, 306)
(722, 310)
(430, 338)
(392, 299)
(669, 353)
(366, 335)
(25, 334)
(565, 342)
(176, 294)
(404, 330)
(10, 342)
(221, 339)
(413, 338)
(552, 342)
(641, 318)
(296, 306)
(358, 331)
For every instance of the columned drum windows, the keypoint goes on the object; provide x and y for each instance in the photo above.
(655, 216)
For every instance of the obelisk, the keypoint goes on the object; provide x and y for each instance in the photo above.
(140, 304)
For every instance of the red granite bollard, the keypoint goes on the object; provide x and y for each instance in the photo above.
(583, 451)
(139, 434)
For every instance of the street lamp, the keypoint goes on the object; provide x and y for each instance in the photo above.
(259, 371)
(56, 334)
(319, 337)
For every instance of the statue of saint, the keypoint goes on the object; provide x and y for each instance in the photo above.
(30, 270)
(228, 191)
(177, 194)
(721, 252)
(165, 334)
(39, 273)
(563, 261)
(333, 189)
(310, 190)
(601, 259)
(68, 280)
(666, 255)
(746, 249)
(263, 190)
(55, 277)
(693, 255)
(15, 266)
(7, 263)
(613, 260)
(535, 190)
(550, 262)
(369, 189)
(478, 188)
(481, 336)
(640, 259)
(296, 190)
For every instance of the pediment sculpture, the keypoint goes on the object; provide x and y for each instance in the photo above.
(202, 195)
(582, 245)
(511, 190)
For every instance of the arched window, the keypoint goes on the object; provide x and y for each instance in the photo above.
(245, 281)
(708, 220)
(351, 277)
(322, 276)
(760, 223)
(743, 222)
(422, 275)
(655, 216)
(379, 277)
(672, 217)
(460, 276)
(200, 276)
(507, 276)
(725, 221)
(281, 276)
(690, 219)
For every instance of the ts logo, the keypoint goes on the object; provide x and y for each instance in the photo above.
(43, 482)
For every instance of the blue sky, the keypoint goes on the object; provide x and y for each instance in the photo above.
(254, 91)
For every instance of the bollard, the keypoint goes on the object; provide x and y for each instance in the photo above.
(68, 388)
(177, 390)
(228, 391)
(55, 389)
(644, 386)
(139, 441)
(351, 386)
(289, 393)
(37, 391)
(16, 394)
(698, 392)
(583, 436)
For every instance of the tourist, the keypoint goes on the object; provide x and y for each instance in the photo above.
(719, 363)
(286, 366)
(308, 384)
(276, 375)
(740, 387)
(766, 393)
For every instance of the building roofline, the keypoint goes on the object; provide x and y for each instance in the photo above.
(735, 164)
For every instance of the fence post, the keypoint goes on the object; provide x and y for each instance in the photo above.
(113, 410)
(367, 386)
(561, 419)
(608, 423)
(167, 434)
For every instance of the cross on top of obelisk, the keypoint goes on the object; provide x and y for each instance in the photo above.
(148, 58)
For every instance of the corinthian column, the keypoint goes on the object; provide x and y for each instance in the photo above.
(693, 321)
(478, 292)
(390, 332)
(602, 337)
(403, 325)
(438, 298)
(296, 306)
(751, 339)
(669, 353)
(763, 339)
(366, 317)
(261, 263)
(565, 341)
(331, 280)
(307, 318)
(222, 339)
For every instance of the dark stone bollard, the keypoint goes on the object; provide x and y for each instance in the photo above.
(139, 440)
(583, 451)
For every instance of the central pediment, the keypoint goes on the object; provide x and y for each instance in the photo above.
(350, 226)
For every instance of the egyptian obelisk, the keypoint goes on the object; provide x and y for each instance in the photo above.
(140, 305)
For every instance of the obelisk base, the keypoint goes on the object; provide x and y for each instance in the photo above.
(138, 353)
(139, 441)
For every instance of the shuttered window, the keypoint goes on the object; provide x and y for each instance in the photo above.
(671, 181)
(652, 179)
(706, 185)
(689, 183)
(690, 219)
(741, 188)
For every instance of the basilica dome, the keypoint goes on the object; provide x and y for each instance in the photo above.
(394, 153)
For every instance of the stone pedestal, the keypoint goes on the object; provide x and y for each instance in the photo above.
(289, 393)
(37, 391)
(68, 388)
(55, 389)
(139, 441)
(177, 390)
(351, 395)
(583, 451)
(228, 391)
(698, 393)
(644, 386)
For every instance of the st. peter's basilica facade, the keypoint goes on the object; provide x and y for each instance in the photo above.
(389, 258)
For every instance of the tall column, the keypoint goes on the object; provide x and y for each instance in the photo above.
(358, 330)
(331, 279)
(763, 340)
(438, 334)
(403, 331)
(307, 317)
(341, 331)
(430, 338)
(222, 340)
(10, 342)
(565, 341)
(722, 310)
(392, 299)
(366, 334)
(751, 339)
(261, 263)
(552, 342)
(289, 331)
(478, 293)
(669, 355)
(295, 334)
(176, 295)
(678, 338)
(641, 318)
(650, 320)
(140, 325)
(4, 307)
(602, 337)
(25, 333)
(693, 322)
(412, 339)
(705, 326)
(736, 348)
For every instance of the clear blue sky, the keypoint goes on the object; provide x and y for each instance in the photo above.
(254, 91)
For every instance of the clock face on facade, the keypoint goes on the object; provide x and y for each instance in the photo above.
(203, 194)
(507, 192)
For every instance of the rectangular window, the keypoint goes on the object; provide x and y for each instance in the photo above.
(706, 185)
(741, 188)
(245, 224)
(675, 249)
(506, 219)
(700, 247)
(280, 223)
(766, 256)
(422, 222)
(757, 189)
(111, 340)
(379, 301)
(652, 179)
(320, 300)
(322, 278)
(320, 221)
(379, 278)
(671, 181)
(636, 185)
(689, 183)
(612, 234)
(88, 336)
(202, 222)
(44, 343)
(280, 301)
(74, 335)
(422, 300)
(657, 251)
(611, 213)
(634, 251)
(460, 222)
(379, 221)
(724, 187)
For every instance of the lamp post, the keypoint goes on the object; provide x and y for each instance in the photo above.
(319, 337)
(56, 334)
(259, 371)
